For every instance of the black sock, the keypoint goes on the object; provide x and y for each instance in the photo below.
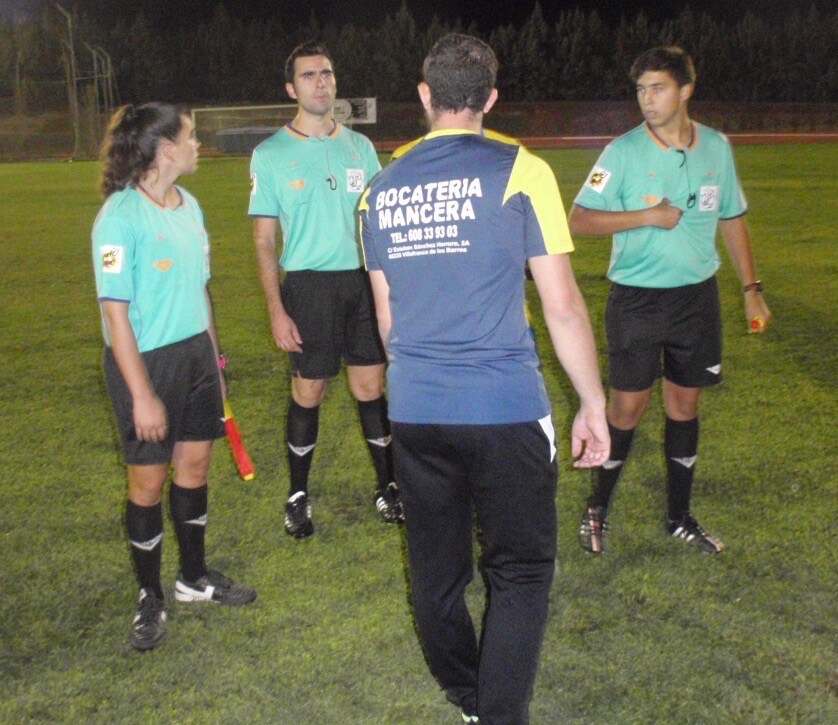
(680, 444)
(144, 525)
(376, 427)
(301, 432)
(188, 507)
(605, 477)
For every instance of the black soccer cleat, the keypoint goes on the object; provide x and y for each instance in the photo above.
(688, 529)
(593, 530)
(389, 505)
(149, 627)
(213, 587)
(298, 521)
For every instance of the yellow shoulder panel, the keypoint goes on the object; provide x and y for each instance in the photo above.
(533, 177)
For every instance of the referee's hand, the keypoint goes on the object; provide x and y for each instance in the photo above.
(150, 420)
(285, 332)
(590, 442)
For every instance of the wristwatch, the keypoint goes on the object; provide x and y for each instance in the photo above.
(753, 287)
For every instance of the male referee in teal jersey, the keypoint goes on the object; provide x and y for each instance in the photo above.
(447, 230)
(307, 179)
(661, 190)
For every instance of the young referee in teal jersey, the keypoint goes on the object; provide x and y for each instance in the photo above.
(151, 263)
(306, 179)
(662, 190)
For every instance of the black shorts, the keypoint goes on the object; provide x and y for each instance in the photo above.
(184, 376)
(335, 315)
(681, 325)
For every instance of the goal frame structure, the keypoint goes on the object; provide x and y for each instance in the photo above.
(237, 116)
(208, 121)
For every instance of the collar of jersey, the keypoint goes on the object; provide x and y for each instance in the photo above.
(163, 207)
(304, 136)
(660, 142)
(451, 132)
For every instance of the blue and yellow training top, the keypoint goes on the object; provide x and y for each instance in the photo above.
(451, 225)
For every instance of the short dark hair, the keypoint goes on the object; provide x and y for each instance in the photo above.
(304, 50)
(670, 58)
(460, 70)
(130, 144)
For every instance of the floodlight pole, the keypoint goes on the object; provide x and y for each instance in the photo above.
(108, 80)
(72, 91)
(97, 75)
(20, 105)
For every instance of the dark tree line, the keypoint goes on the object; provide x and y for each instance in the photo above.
(225, 60)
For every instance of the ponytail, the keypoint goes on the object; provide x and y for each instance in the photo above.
(131, 141)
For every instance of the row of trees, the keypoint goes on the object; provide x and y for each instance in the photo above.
(579, 57)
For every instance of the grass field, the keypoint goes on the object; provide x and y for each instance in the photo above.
(653, 632)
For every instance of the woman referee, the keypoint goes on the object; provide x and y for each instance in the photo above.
(151, 261)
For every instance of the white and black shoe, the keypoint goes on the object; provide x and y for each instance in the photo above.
(149, 627)
(213, 587)
(389, 504)
(593, 530)
(689, 530)
(298, 521)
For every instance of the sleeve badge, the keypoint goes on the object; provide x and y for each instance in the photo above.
(598, 179)
(112, 257)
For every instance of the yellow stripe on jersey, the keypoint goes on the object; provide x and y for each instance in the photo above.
(532, 177)
(363, 208)
(486, 132)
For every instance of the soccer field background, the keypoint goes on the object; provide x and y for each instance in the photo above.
(651, 632)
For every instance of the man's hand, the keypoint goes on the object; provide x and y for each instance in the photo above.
(150, 419)
(590, 442)
(664, 216)
(285, 332)
(756, 309)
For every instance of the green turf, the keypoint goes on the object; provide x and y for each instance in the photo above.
(653, 632)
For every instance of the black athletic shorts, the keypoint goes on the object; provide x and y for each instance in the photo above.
(184, 376)
(335, 315)
(680, 327)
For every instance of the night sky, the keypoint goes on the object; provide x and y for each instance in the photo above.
(485, 13)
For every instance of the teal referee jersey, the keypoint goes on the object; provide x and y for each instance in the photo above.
(637, 171)
(312, 185)
(157, 260)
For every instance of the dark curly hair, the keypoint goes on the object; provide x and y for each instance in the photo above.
(131, 141)
(672, 59)
(460, 70)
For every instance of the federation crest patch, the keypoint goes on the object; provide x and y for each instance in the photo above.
(598, 179)
(253, 184)
(708, 198)
(112, 257)
(297, 184)
(355, 180)
(164, 265)
(652, 200)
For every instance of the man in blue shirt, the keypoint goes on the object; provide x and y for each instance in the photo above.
(447, 231)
